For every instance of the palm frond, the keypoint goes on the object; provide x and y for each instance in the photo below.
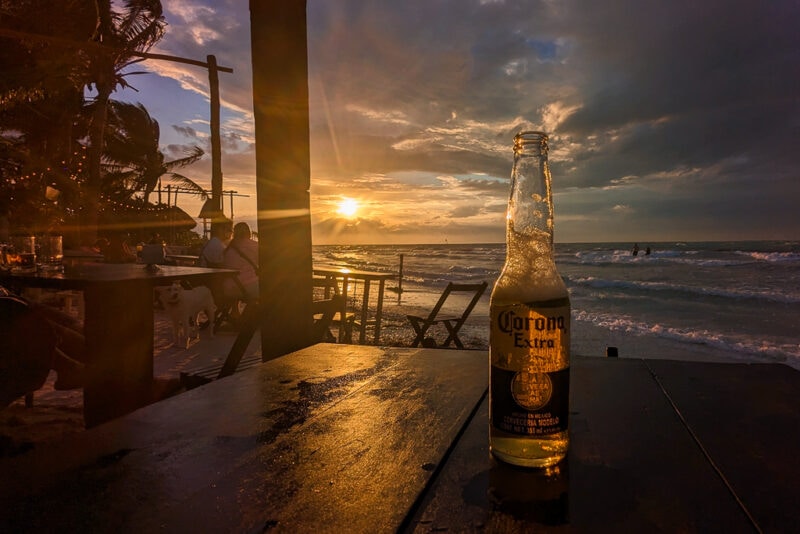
(142, 23)
(115, 168)
(193, 154)
(189, 184)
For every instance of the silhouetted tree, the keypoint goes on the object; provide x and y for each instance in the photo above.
(133, 160)
(134, 28)
(41, 94)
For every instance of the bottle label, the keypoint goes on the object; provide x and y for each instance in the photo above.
(530, 368)
(530, 404)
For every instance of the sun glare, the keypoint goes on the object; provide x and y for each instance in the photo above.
(348, 207)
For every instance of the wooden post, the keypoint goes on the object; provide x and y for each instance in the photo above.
(400, 276)
(399, 288)
(283, 173)
(216, 143)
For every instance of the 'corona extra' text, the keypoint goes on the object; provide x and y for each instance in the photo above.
(510, 323)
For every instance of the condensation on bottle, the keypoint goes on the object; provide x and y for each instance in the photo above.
(529, 341)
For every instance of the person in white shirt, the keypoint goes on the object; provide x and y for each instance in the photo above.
(213, 254)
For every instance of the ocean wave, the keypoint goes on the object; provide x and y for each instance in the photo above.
(618, 257)
(772, 257)
(471, 270)
(765, 350)
(417, 279)
(702, 258)
(598, 283)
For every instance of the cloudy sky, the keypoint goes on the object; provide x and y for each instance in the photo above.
(673, 120)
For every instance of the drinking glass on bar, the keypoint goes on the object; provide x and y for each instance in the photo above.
(22, 256)
(51, 253)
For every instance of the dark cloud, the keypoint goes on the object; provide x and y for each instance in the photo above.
(185, 131)
(492, 187)
(687, 84)
(465, 211)
(176, 151)
(231, 141)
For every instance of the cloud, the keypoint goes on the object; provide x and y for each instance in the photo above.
(465, 211)
(185, 131)
(555, 113)
(176, 151)
(657, 111)
(622, 209)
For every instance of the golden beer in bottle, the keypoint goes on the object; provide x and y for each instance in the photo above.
(529, 315)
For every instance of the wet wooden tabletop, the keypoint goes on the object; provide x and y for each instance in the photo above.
(344, 438)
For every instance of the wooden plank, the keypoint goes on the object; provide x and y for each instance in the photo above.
(359, 466)
(189, 440)
(746, 417)
(476, 493)
(632, 467)
(334, 437)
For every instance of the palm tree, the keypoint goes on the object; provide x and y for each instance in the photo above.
(133, 160)
(135, 28)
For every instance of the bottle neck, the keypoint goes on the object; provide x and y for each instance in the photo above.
(530, 207)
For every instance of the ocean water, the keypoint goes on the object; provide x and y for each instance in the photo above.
(730, 301)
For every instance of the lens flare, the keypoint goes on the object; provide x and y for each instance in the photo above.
(348, 207)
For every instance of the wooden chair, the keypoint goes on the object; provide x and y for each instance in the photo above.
(228, 306)
(27, 348)
(343, 320)
(452, 323)
(323, 311)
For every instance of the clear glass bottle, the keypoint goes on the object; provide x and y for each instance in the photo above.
(529, 341)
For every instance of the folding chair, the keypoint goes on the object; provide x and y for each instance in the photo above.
(452, 323)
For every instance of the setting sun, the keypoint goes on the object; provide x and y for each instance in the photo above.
(348, 207)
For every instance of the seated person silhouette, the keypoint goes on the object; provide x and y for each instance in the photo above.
(242, 254)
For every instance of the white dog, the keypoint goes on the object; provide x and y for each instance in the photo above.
(183, 307)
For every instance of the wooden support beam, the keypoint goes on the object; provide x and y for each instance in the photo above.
(283, 173)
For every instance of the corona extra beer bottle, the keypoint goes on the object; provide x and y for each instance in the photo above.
(530, 323)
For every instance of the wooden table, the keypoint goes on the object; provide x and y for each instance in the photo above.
(344, 275)
(344, 438)
(118, 327)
